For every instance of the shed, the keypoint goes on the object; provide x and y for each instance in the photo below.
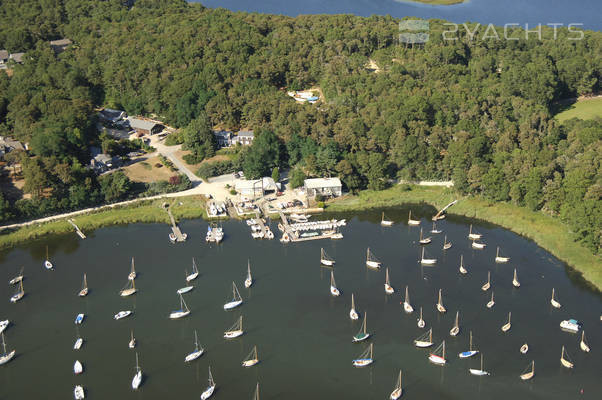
(17, 57)
(3, 56)
(323, 186)
(60, 45)
(145, 127)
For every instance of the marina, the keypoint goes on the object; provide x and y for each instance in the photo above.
(289, 303)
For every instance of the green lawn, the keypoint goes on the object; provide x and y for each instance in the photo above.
(582, 109)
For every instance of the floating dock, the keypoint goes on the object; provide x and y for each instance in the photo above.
(77, 230)
(180, 237)
(329, 229)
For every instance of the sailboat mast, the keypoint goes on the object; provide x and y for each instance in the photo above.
(364, 325)
(470, 346)
(481, 361)
(352, 302)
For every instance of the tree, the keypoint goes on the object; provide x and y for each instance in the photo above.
(262, 156)
(114, 186)
(297, 177)
(199, 138)
(275, 174)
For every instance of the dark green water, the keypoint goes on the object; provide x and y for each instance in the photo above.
(302, 333)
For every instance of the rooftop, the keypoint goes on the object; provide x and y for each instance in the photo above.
(136, 123)
(3, 55)
(18, 57)
(322, 182)
(245, 133)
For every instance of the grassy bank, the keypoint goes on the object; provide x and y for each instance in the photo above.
(549, 233)
(146, 211)
(582, 109)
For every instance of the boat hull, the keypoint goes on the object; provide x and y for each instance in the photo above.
(7, 357)
(421, 323)
(248, 283)
(373, 264)
(386, 223)
(467, 354)
(193, 356)
(396, 394)
(121, 315)
(428, 261)
(407, 307)
(78, 344)
(437, 360)
(506, 327)
(78, 368)
(128, 292)
(334, 291)
(192, 277)
(232, 334)
(178, 314)
(137, 380)
(478, 246)
(502, 260)
(250, 363)
(441, 309)
(362, 362)
(78, 393)
(361, 337)
(524, 349)
(232, 304)
(328, 263)
(478, 372)
(79, 319)
(207, 393)
(353, 314)
(185, 289)
(421, 344)
(389, 289)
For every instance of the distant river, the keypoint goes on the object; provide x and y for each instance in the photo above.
(498, 12)
(302, 333)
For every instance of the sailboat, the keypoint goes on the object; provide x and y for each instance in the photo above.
(515, 281)
(371, 261)
(478, 245)
(470, 352)
(398, 391)
(352, 313)
(435, 358)
(333, 286)
(487, 284)
(198, 350)
(47, 263)
(500, 259)
(525, 376)
(524, 348)
(456, 328)
(3, 325)
(507, 325)
(78, 367)
(122, 314)
(18, 294)
(564, 361)
(185, 289)
(132, 274)
(129, 289)
(324, 259)
(388, 288)
(251, 359)
(235, 330)
(195, 272)
(210, 389)
(446, 244)
(553, 301)
(182, 312)
(365, 358)
(427, 261)
(362, 334)
(473, 236)
(582, 344)
(132, 342)
(249, 279)
(407, 307)
(5, 357)
(423, 240)
(18, 278)
(491, 302)
(463, 270)
(84, 290)
(435, 230)
(385, 222)
(137, 379)
(78, 343)
(426, 340)
(79, 318)
(256, 394)
(412, 222)
(236, 299)
(78, 393)
(439, 304)
(479, 372)
(421, 322)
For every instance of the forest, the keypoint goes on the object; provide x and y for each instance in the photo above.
(476, 110)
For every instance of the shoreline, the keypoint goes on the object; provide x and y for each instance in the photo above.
(547, 232)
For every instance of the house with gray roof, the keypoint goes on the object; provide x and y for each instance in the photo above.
(223, 138)
(3, 56)
(244, 137)
(323, 186)
(17, 57)
(145, 126)
(60, 45)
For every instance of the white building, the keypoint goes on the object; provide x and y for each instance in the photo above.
(323, 186)
(257, 187)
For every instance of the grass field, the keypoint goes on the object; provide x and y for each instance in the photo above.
(145, 171)
(582, 109)
(549, 233)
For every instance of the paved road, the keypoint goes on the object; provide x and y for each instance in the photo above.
(169, 153)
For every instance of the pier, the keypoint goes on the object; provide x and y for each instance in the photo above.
(77, 230)
(439, 215)
(176, 232)
(291, 231)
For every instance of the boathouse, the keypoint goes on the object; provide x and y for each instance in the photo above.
(330, 187)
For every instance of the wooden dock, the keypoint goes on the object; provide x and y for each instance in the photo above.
(180, 237)
(77, 230)
(436, 216)
(294, 235)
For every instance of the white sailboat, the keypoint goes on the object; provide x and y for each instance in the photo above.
(491, 302)
(582, 344)
(182, 312)
(425, 340)
(439, 304)
(435, 230)
(235, 330)
(198, 350)
(236, 299)
(407, 307)
(553, 301)
(129, 289)
(84, 290)
(251, 359)
(3, 325)
(470, 352)
(19, 293)
(78, 393)
(79, 318)
(421, 322)
(515, 281)
(500, 259)
(47, 263)
(195, 272)
(132, 342)
(446, 245)
(524, 348)
(478, 245)
(423, 240)
(487, 284)
(473, 236)
(463, 270)
(333, 286)
(456, 328)
(137, 379)
(398, 391)
(18, 278)
(525, 376)
(437, 359)
(249, 279)
(210, 389)
(388, 288)
(384, 221)
(412, 222)
(564, 361)
(185, 289)
(6, 357)
(122, 314)
(324, 259)
(132, 274)
(362, 334)
(371, 261)
(352, 313)
(479, 372)
(427, 261)
(365, 358)
(78, 367)
(78, 343)
(507, 325)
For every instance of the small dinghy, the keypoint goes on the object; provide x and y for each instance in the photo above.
(77, 368)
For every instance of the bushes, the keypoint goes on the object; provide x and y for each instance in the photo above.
(167, 163)
(207, 170)
(176, 183)
(192, 159)
(174, 139)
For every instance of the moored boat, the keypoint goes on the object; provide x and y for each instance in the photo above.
(79, 318)
(195, 272)
(388, 288)
(525, 376)
(553, 301)
(182, 312)
(362, 334)
(84, 290)
(583, 344)
(236, 299)
(479, 372)
(407, 307)
(412, 222)
(18, 278)
(398, 391)
(385, 222)
(365, 358)
(439, 304)
(197, 352)
(333, 286)
(470, 352)
(137, 379)
(571, 325)
(352, 313)
(78, 393)
(424, 240)
(5, 356)
(251, 359)
(122, 314)
(371, 260)
(235, 330)
(500, 259)
(565, 361)
(425, 340)
(437, 357)
(456, 328)
(507, 325)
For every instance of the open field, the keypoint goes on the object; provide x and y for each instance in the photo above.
(582, 109)
(145, 171)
